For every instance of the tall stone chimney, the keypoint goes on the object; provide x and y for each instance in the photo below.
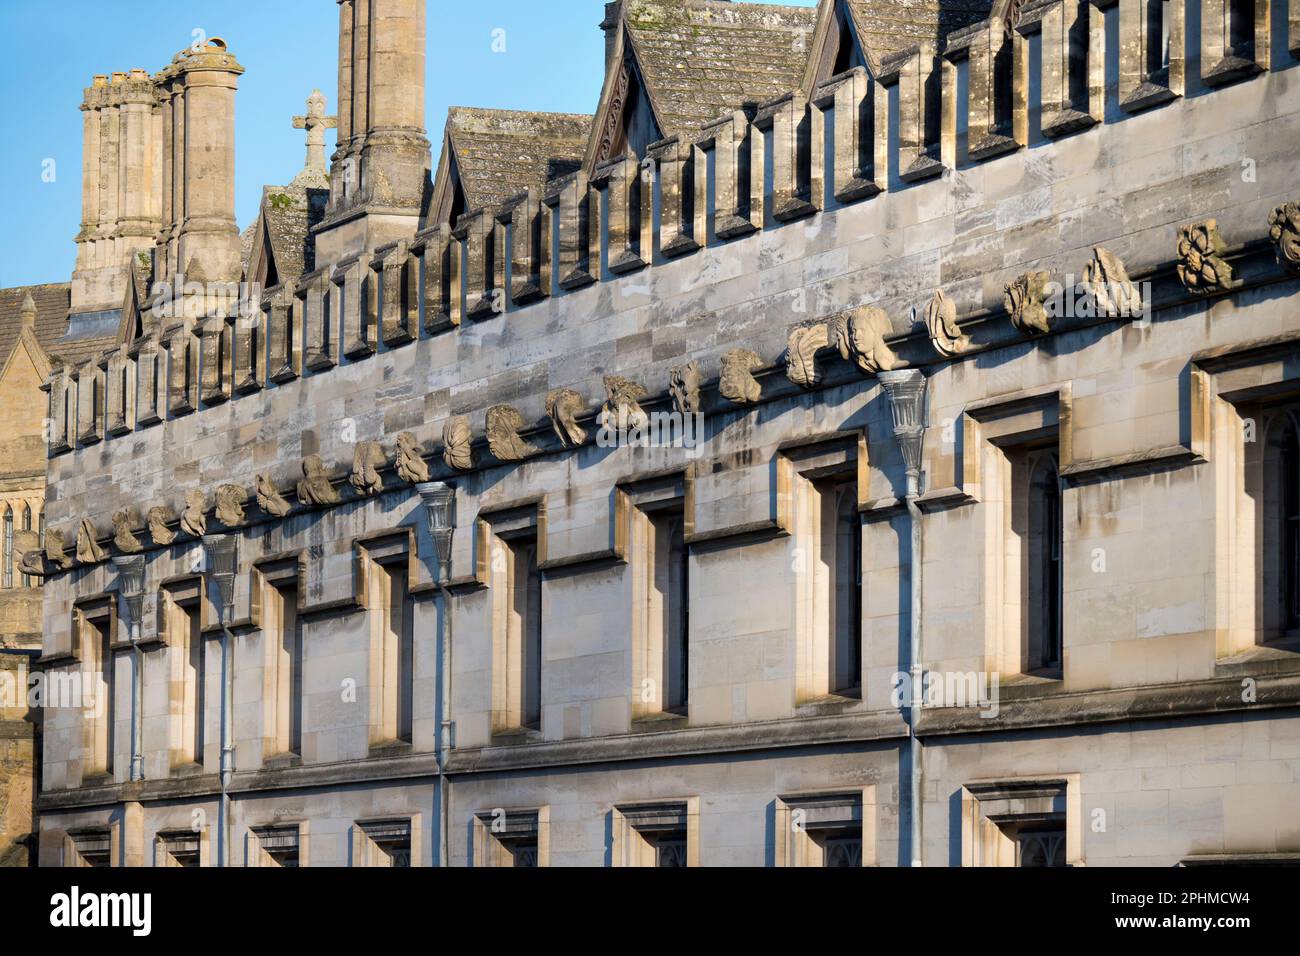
(199, 238)
(121, 186)
(380, 170)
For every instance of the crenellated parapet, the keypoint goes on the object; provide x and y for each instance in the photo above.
(918, 126)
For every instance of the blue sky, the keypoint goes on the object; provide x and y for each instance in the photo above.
(552, 61)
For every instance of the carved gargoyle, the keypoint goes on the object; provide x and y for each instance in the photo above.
(1025, 301)
(801, 353)
(860, 337)
(564, 405)
(503, 424)
(315, 487)
(88, 549)
(123, 537)
(1107, 281)
(193, 519)
(457, 447)
(1201, 266)
(366, 461)
(1284, 232)
(941, 322)
(270, 500)
(27, 553)
(737, 383)
(684, 384)
(157, 520)
(55, 549)
(230, 505)
(622, 408)
(411, 465)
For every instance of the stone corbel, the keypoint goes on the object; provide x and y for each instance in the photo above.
(504, 441)
(564, 405)
(737, 383)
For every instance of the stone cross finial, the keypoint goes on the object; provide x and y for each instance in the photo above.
(27, 312)
(315, 123)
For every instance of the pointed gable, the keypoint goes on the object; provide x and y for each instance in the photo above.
(677, 65)
(281, 245)
(490, 155)
(863, 32)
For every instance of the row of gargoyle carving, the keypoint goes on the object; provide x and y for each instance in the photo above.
(858, 335)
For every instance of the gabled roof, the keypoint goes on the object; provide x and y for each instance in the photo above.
(699, 59)
(493, 155)
(281, 246)
(51, 328)
(881, 28)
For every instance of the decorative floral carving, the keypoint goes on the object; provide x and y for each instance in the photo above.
(457, 442)
(503, 424)
(1201, 266)
(1284, 231)
(941, 322)
(860, 337)
(1025, 301)
(801, 353)
(315, 488)
(737, 383)
(88, 549)
(684, 385)
(622, 408)
(158, 530)
(56, 550)
(1107, 281)
(27, 553)
(270, 500)
(564, 405)
(193, 519)
(367, 459)
(126, 542)
(230, 505)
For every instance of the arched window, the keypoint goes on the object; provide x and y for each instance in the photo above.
(27, 526)
(1044, 570)
(7, 559)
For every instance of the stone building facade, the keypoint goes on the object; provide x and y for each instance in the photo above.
(872, 441)
(35, 336)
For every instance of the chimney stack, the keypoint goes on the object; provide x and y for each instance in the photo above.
(380, 169)
(199, 239)
(121, 186)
